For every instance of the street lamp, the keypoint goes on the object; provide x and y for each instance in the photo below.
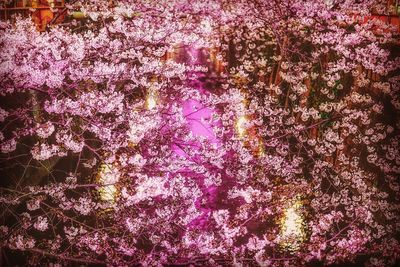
(108, 176)
(292, 226)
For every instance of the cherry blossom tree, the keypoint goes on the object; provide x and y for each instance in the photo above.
(202, 132)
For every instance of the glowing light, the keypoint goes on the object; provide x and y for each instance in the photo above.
(51, 3)
(240, 126)
(292, 233)
(108, 177)
(151, 101)
(260, 148)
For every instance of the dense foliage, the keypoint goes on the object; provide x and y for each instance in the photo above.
(202, 132)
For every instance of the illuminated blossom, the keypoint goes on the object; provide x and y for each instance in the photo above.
(206, 132)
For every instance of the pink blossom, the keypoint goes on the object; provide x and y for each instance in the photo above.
(41, 224)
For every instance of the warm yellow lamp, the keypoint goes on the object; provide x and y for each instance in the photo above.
(108, 176)
(240, 125)
(292, 226)
(151, 101)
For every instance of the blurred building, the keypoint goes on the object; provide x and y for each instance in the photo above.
(42, 11)
(393, 16)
